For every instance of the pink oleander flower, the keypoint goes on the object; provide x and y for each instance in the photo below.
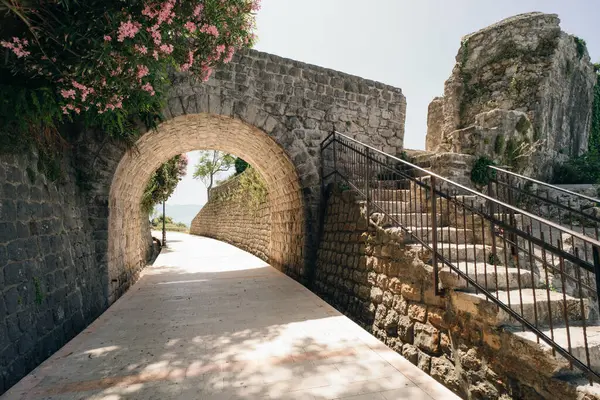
(210, 30)
(190, 62)
(198, 10)
(142, 71)
(166, 48)
(154, 31)
(128, 30)
(166, 13)
(141, 49)
(255, 5)
(155, 54)
(107, 38)
(190, 26)
(148, 88)
(68, 94)
(229, 56)
(17, 46)
(206, 72)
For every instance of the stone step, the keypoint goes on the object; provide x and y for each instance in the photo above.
(457, 252)
(464, 300)
(444, 234)
(486, 275)
(399, 206)
(572, 338)
(391, 194)
(407, 219)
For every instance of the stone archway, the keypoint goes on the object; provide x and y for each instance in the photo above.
(126, 240)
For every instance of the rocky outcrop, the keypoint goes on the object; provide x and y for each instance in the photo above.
(521, 93)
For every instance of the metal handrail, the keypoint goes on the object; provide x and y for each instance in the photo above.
(357, 165)
(553, 187)
(476, 193)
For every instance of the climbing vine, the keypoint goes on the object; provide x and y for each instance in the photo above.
(250, 190)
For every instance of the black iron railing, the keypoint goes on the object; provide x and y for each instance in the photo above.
(574, 210)
(535, 271)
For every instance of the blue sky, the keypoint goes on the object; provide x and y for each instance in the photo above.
(404, 43)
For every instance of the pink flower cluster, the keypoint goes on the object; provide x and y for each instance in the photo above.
(255, 5)
(190, 62)
(17, 46)
(148, 88)
(155, 33)
(198, 11)
(164, 13)
(166, 48)
(210, 30)
(141, 49)
(190, 26)
(142, 71)
(128, 29)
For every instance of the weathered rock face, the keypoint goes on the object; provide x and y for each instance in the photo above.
(235, 214)
(521, 93)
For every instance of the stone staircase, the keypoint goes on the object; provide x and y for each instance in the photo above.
(465, 240)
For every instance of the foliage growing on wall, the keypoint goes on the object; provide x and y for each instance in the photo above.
(481, 173)
(106, 62)
(164, 181)
(251, 189)
(240, 165)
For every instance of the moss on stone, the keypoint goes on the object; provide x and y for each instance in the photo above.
(499, 144)
(523, 125)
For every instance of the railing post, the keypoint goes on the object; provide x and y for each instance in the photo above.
(434, 241)
(335, 174)
(367, 179)
(596, 252)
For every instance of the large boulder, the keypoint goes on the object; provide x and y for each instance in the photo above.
(521, 92)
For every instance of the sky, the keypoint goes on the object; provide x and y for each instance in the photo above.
(404, 43)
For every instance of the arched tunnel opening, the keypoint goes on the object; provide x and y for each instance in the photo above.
(128, 225)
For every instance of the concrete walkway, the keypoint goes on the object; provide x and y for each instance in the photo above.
(210, 321)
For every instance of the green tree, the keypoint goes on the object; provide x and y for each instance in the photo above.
(240, 165)
(212, 162)
(163, 183)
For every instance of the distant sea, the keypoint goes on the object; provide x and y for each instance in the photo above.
(180, 212)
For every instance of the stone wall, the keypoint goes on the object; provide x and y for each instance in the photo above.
(51, 286)
(383, 284)
(271, 111)
(234, 216)
(521, 93)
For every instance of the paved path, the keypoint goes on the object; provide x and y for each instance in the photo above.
(209, 321)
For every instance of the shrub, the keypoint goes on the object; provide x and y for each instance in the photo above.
(106, 62)
(481, 173)
(240, 165)
(582, 169)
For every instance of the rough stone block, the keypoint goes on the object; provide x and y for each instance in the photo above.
(417, 312)
(427, 338)
(405, 328)
(411, 353)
